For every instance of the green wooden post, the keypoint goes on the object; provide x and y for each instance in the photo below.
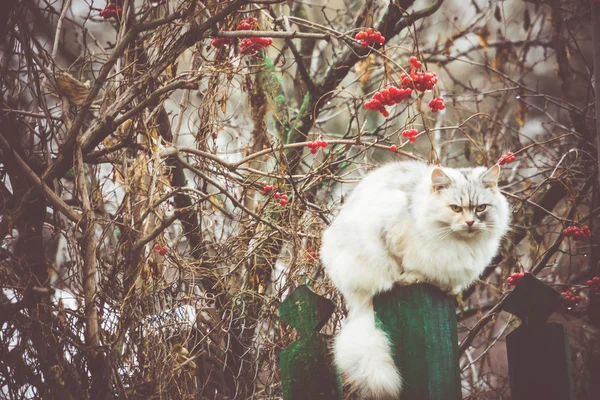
(307, 371)
(539, 357)
(420, 321)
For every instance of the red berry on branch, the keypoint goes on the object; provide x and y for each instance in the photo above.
(283, 202)
(387, 97)
(516, 277)
(414, 62)
(157, 246)
(248, 24)
(267, 188)
(506, 158)
(220, 42)
(369, 38)
(577, 233)
(277, 195)
(393, 148)
(410, 134)
(111, 11)
(570, 299)
(594, 285)
(437, 104)
(254, 44)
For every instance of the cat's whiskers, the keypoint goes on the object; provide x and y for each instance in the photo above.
(438, 232)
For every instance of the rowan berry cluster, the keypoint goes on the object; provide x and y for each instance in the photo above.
(254, 44)
(160, 249)
(220, 42)
(248, 45)
(269, 188)
(387, 97)
(418, 80)
(506, 158)
(594, 285)
(515, 278)
(437, 104)
(314, 146)
(112, 10)
(411, 134)
(283, 198)
(570, 299)
(369, 38)
(248, 24)
(577, 233)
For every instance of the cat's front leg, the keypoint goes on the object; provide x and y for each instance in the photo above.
(407, 278)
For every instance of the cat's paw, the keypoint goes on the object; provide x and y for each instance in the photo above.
(410, 278)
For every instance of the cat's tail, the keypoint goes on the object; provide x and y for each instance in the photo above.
(363, 354)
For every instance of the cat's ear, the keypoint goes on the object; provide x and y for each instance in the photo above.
(490, 177)
(439, 180)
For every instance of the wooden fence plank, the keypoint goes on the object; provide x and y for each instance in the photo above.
(539, 356)
(307, 371)
(420, 321)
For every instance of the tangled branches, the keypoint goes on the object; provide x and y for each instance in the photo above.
(166, 169)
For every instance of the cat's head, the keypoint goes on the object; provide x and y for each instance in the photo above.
(464, 203)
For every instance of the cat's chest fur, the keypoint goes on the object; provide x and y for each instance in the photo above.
(447, 264)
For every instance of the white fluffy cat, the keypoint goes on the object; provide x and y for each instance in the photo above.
(406, 222)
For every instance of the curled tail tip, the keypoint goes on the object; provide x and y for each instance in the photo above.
(363, 354)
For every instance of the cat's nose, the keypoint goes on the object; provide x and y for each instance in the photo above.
(470, 223)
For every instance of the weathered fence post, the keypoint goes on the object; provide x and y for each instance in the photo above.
(539, 357)
(420, 321)
(307, 371)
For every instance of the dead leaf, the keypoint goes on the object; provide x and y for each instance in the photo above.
(521, 113)
(69, 87)
(498, 14)
(364, 69)
(483, 35)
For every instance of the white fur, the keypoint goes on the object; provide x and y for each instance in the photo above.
(397, 227)
(358, 364)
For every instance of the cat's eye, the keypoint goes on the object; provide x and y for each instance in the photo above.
(455, 208)
(481, 208)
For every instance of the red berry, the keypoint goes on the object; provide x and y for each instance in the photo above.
(313, 150)
(284, 197)
(506, 158)
(254, 44)
(267, 188)
(570, 299)
(248, 24)
(369, 38)
(277, 195)
(516, 277)
(283, 202)
(323, 143)
(387, 97)
(393, 148)
(410, 134)
(577, 233)
(594, 285)
(157, 246)
(437, 104)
